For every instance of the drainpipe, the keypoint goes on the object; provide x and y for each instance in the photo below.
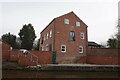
(86, 43)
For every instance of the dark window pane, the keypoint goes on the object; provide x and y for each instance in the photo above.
(72, 36)
(63, 46)
(63, 49)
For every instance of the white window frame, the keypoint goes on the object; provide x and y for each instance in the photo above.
(82, 35)
(62, 48)
(81, 49)
(50, 33)
(77, 24)
(47, 47)
(42, 48)
(66, 21)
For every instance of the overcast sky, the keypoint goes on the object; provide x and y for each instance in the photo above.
(101, 17)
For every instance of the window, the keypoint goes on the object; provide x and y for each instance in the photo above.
(47, 48)
(42, 48)
(47, 36)
(82, 35)
(50, 33)
(41, 40)
(63, 48)
(50, 47)
(77, 23)
(66, 21)
(72, 36)
(44, 37)
(80, 49)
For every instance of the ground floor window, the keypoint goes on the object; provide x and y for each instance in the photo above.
(50, 47)
(80, 49)
(42, 48)
(63, 48)
(47, 47)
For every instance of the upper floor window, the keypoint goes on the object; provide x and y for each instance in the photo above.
(50, 33)
(66, 21)
(44, 37)
(77, 23)
(63, 48)
(41, 40)
(80, 49)
(72, 36)
(47, 36)
(82, 35)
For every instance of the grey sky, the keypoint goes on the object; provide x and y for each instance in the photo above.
(119, 12)
(101, 17)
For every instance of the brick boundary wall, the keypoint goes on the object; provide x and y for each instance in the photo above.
(14, 55)
(6, 55)
(24, 61)
(44, 57)
(103, 56)
(81, 60)
(98, 56)
(5, 51)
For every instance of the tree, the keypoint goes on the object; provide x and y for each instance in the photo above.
(118, 34)
(27, 36)
(37, 45)
(10, 39)
(112, 42)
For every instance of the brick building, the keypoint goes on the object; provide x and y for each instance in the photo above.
(92, 44)
(67, 35)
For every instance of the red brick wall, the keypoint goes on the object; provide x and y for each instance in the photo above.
(62, 32)
(50, 39)
(60, 36)
(102, 51)
(5, 51)
(102, 56)
(14, 55)
(5, 47)
(25, 61)
(81, 60)
(5, 55)
(102, 60)
(0, 54)
(44, 57)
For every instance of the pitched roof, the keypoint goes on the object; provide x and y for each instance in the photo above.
(74, 14)
(61, 16)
